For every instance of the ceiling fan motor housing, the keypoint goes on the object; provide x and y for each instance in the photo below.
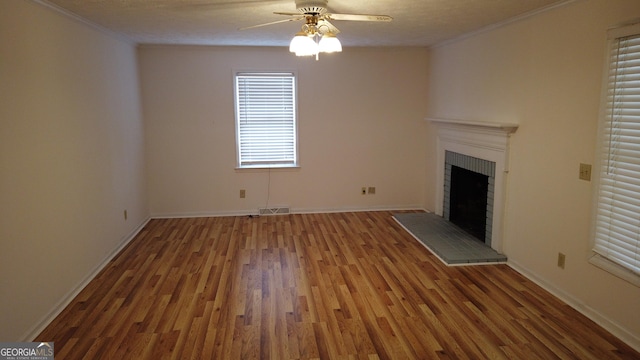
(315, 7)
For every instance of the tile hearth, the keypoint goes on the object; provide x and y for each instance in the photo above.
(450, 243)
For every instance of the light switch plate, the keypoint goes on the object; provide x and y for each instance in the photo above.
(585, 172)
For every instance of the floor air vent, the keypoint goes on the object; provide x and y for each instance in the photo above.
(274, 210)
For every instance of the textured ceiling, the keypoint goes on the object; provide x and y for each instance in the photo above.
(216, 22)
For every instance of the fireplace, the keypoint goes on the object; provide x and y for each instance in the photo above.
(468, 194)
(477, 147)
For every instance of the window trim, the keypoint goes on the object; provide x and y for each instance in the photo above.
(595, 258)
(273, 165)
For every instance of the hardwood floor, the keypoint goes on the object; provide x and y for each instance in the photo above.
(313, 286)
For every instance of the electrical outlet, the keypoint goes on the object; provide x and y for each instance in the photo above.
(364, 190)
(561, 258)
(243, 193)
(585, 172)
(372, 190)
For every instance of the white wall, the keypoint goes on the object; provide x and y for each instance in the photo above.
(71, 159)
(545, 73)
(361, 123)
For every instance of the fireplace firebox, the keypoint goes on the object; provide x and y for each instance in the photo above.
(468, 201)
(469, 190)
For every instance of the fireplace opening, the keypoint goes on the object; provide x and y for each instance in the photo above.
(468, 201)
(469, 189)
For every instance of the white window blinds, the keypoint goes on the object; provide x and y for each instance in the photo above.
(617, 228)
(266, 119)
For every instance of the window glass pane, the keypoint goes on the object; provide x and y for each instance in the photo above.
(266, 119)
(617, 232)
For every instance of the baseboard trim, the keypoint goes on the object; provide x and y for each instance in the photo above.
(618, 331)
(66, 300)
(254, 212)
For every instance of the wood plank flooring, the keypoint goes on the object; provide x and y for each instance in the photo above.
(312, 286)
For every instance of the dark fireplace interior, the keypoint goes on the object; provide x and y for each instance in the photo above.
(468, 201)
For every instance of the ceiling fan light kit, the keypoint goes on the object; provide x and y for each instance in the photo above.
(329, 43)
(303, 45)
(315, 37)
(318, 35)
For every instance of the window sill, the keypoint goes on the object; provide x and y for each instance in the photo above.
(615, 269)
(267, 167)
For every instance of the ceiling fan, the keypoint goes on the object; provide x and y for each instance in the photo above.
(317, 34)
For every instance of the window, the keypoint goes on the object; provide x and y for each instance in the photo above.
(617, 224)
(266, 119)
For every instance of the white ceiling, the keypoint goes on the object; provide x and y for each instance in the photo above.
(216, 22)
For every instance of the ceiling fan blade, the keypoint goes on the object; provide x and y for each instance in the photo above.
(331, 28)
(271, 23)
(222, 4)
(358, 17)
(287, 13)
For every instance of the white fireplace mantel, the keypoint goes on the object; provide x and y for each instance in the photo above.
(482, 140)
(499, 126)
